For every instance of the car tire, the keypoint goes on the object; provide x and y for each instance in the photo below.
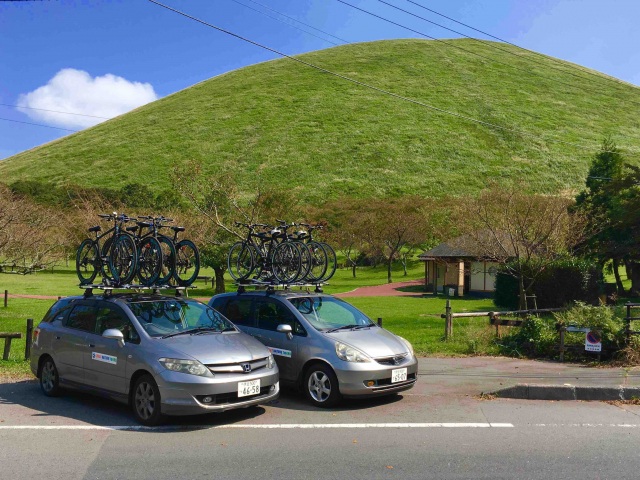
(49, 378)
(145, 401)
(320, 386)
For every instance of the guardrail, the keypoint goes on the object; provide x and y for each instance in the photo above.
(9, 336)
(628, 319)
(494, 317)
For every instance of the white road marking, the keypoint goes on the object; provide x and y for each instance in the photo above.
(281, 426)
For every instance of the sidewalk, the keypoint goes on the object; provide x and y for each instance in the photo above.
(527, 379)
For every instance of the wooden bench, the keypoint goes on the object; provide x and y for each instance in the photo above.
(7, 342)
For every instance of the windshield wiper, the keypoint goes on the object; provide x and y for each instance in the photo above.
(344, 327)
(358, 327)
(191, 331)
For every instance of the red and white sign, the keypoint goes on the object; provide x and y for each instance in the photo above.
(592, 342)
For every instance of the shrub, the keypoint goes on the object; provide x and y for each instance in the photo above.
(537, 337)
(562, 283)
(606, 320)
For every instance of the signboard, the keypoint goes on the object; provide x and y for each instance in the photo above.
(592, 342)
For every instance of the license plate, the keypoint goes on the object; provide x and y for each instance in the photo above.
(398, 375)
(249, 388)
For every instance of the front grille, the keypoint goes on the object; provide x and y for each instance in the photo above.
(237, 367)
(392, 361)
(387, 381)
(232, 397)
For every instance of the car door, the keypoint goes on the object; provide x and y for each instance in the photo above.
(70, 344)
(269, 313)
(106, 359)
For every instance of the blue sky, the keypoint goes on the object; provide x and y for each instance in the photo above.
(104, 57)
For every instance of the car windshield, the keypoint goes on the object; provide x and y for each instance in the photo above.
(167, 317)
(328, 313)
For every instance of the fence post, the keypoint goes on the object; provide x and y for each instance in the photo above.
(627, 322)
(27, 348)
(562, 330)
(6, 297)
(448, 323)
(380, 321)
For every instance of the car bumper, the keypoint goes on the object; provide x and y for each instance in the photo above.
(354, 380)
(184, 394)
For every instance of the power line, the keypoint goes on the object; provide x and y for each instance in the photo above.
(527, 71)
(53, 111)
(286, 23)
(502, 49)
(38, 124)
(564, 64)
(357, 82)
(296, 20)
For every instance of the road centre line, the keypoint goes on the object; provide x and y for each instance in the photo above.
(280, 426)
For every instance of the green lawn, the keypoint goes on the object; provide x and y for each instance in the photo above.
(415, 318)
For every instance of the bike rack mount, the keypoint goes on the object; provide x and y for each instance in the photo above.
(155, 289)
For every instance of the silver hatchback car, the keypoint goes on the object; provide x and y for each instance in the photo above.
(322, 344)
(160, 354)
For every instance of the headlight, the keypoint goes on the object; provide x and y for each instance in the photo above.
(192, 367)
(270, 361)
(409, 346)
(350, 354)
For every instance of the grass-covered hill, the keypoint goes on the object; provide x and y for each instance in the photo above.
(283, 124)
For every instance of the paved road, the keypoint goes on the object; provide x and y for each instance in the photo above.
(439, 429)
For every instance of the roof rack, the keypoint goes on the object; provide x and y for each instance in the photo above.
(155, 289)
(272, 287)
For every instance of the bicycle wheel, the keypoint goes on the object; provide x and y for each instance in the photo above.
(105, 254)
(88, 261)
(332, 262)
(123, 259)
(149, 261)
(318, 261)
(187, 263)
(285, 262)
(306, 262)
(168, 260)
(240, 261)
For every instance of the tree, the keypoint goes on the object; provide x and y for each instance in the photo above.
(387, 226)
(624, 218)
(30, 234)
(524, 233)
(597, 202)
(219, 205)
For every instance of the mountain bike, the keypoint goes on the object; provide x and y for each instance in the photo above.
(115, 258)
(263, 255)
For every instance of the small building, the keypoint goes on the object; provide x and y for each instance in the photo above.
(460, 265)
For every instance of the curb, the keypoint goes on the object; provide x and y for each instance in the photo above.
(567, 392)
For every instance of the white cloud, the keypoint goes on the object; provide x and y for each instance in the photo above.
(75, 91)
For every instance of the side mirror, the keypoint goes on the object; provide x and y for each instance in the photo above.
(286, 329)
(115, 334)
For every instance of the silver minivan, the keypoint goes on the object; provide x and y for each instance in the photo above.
(322, 344)
(160, 354)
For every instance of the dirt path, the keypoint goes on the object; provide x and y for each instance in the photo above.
(386, 290)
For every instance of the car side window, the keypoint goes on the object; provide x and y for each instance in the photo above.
(108, 316)
(82, 317)
(57, 309)
(270, 314)
(238, 311)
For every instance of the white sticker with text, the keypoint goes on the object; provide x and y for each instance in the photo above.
(101, 357)
(280, 352)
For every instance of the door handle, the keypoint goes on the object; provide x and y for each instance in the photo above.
(91, 345)
(57, 338)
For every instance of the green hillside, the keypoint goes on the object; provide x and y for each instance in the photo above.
(288, 125)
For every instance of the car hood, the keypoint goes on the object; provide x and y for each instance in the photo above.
(375, 342)
(211, 348)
